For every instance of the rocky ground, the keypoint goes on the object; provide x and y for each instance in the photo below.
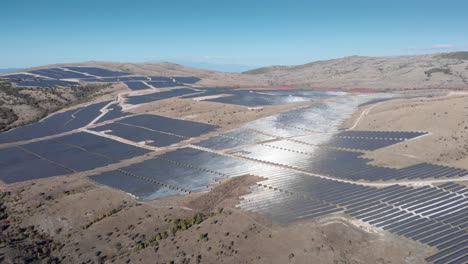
(446, 118)
(24, 105)
(446, 70)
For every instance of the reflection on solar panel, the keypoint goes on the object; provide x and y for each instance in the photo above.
(188, 80)
(338, 163)
(141, 99)
(54, 124)
(320, 118)
(134, 86)
(427, 214)
(157, 174)
(250, 99)
(179, 127)
(285, 208)
(97, 71)
(233, 139)
(258, 98)
(188, 170)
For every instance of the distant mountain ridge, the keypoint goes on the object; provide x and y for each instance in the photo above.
(442, 70)
(446, 70)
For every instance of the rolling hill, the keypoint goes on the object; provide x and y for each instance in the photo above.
(445, 70)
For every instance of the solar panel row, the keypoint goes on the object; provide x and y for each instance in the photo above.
(397, 135)
(54, 124)
(183, 128)
(100, 72)
(139, 134)
(113, 111)
(20, 76)
(427, 214)
(63, 155)
(233, 139)
(147, 98)
(339, 163)
(44, 83)
(164, 84)
(135, 86)
(58, 73)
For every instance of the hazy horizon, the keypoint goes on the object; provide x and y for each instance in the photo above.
(228, 36)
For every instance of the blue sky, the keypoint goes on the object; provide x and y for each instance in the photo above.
(225, 35)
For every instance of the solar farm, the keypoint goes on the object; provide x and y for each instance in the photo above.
(309, 167)
(75, 76)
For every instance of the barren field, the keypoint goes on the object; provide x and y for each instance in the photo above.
(446, 118)
(192, 174)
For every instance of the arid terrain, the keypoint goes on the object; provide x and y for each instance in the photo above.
(75, 218)
(447, 70)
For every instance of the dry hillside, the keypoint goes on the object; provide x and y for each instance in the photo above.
(448, 70)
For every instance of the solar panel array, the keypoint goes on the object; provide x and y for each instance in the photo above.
(58, 73)
(139, 134)
(100, 72)
(370, 140)
(432, 215)
(188, 80)
(161, 79)
(251, 99)
(258, 98)
(283, 207)
(184, 170)
(116, 79)
(60, 77)
(20, 76)
(339, 163)
(318, 118)
(164, 84)
(183, 128)
(113, 111)
(153, 97)
(233, 139)
(135, 86)
(436, 216)
(45, 83)
(63, 155)
(54, 124)
(18, 165)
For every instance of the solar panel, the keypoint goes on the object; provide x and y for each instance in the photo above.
(104, 146)
(18, 165)
(135, 86)
(100, 72)
(174, 126)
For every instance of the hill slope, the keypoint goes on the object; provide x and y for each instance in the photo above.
(447, 70)
(209, 78)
